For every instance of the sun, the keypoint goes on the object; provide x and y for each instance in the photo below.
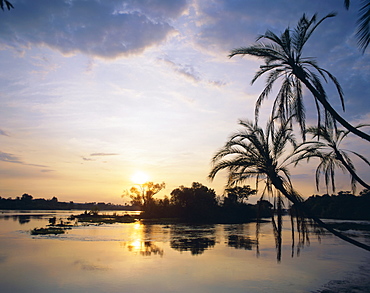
(139, 177)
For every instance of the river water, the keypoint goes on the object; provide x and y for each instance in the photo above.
(173, 258)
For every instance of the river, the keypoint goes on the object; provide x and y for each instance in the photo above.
(173, 258)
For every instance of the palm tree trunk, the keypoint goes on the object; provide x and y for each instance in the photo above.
(276, 181)
(330, 109)
(351, 171)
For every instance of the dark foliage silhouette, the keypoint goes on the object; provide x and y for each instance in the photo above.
(254, 153)
(283, 56)
(327, 149)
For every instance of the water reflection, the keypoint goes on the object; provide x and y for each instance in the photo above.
(195, 239)
(241, 242)
(22, 219)
(147, 258)
(141, 243)
(194, 245)
(238, 237)
(145, 248)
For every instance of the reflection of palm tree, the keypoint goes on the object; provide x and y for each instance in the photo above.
(255, 153)
(330, 155)
(283, 58)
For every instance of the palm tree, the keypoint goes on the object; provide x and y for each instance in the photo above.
(7, 4)
(260, 154)
(283, 59)
(330, 155)
(363, 24)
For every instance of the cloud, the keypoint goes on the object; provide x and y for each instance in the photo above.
(106, 29)
(87, 159)
(98, 155)
(104, 154)
(188, 71)
(225, 25)
(3, 132)
(10, 158)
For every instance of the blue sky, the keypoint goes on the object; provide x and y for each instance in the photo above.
(93, 91)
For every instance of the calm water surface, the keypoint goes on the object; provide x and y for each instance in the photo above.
(172, 258)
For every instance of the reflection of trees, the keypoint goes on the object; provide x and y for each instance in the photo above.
(241, 242)
(141, 245)
(195, 238)
(195, 245)
(236, 237)
(24, 219)
(145, 248)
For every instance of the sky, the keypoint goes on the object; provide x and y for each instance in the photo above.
(92, 92)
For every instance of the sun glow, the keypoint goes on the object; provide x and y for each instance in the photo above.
(140, 177)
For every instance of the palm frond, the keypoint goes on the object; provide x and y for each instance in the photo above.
(346, 4)
(363, 26)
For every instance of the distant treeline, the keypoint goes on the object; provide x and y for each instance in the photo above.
(199, 204)
(27, 202)
(343, 205)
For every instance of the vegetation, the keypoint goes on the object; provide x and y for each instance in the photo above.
(199, 204)
(46, 231)
(256, 153)
(6, 3)
(283, 59)
(331, 156)
(343, 205)
(363, 24)
(95, 217)
(143, 197)
(27, 202)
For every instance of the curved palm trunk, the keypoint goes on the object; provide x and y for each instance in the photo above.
(350, 170)
(276, 181)
(301, 75)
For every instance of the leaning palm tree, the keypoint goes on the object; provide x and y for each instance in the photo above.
(261, 154)
(254, 153)
(283, 59)
(327, 149)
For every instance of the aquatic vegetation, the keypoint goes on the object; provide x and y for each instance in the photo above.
(46, 231)
(106, 219)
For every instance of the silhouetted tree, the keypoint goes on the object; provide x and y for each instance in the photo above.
(7, 4)
(143, 196)
(327, 149)
(256, 153)
(195, 203)
(363, 24)
(283, 59)
(239, 194)
(344, 206)
(26, 197)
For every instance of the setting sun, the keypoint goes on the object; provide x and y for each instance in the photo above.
(140, 177)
